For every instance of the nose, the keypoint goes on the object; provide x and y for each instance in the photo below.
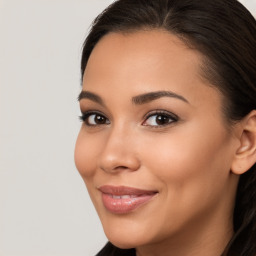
(119, 152)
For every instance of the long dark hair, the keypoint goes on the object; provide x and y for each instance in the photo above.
(224, 31)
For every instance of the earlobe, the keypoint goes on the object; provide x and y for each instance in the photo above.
(245, 156)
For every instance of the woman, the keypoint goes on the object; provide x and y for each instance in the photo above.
(167, 148)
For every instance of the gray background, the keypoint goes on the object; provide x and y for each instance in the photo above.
(44, 207)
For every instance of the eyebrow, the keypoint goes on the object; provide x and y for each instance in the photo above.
(137, 100)
(151, 96)
(91, 96)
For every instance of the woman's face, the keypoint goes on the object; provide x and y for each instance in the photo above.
(154, 149)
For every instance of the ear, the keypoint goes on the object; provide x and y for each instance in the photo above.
(245, 156)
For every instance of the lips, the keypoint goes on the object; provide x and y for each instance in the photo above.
(123, 200)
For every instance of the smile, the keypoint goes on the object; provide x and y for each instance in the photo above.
(123, 200)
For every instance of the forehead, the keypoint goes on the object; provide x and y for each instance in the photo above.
(139, 62)
(143, 49)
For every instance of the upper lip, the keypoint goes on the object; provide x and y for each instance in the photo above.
(123, 190)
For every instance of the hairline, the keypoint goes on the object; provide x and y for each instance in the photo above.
(206, 70)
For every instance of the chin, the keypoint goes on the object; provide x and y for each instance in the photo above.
(124, 243)
(128, 236)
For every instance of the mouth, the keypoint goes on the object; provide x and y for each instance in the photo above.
(123, 200)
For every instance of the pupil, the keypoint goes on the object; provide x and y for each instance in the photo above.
(99, 119)
(162, 120)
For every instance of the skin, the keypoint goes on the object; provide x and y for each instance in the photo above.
(187, 161)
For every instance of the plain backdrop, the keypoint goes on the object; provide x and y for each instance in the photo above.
(44, 206)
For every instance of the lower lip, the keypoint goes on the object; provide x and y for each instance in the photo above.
(124, 205)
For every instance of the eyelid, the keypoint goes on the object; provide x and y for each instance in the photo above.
(89, 112)
(160, 112)
(174, 117)
(85, 114)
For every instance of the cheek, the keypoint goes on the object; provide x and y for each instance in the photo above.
(189, 169)
(86, 152)
(189, 156)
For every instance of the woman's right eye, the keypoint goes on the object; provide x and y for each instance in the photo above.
(94, 119)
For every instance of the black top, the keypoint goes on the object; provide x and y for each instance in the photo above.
(110, 250)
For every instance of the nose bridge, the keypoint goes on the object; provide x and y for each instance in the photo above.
(119, 151)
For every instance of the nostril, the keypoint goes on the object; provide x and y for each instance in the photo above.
(116, 169)
(121, 167)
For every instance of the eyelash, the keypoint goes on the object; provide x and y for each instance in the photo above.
(85, 116)
(170, 117)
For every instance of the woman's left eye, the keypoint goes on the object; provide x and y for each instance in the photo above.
(160, 119)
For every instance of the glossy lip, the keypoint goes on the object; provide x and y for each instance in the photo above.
(123, 200)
